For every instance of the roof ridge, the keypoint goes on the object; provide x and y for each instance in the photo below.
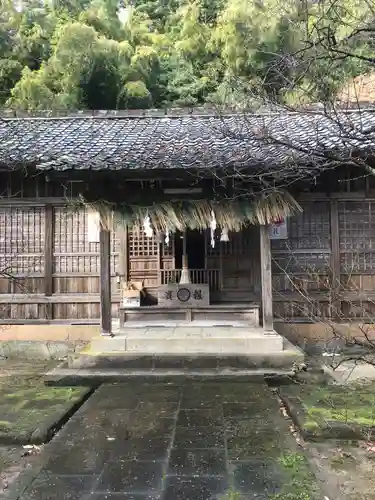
(207, 112)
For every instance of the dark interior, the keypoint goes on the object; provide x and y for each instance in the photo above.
(195, 248)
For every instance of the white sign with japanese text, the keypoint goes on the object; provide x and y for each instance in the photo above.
(279, 230)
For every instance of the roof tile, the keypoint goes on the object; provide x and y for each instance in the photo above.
(182, 141)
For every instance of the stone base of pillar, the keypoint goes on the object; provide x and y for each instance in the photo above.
(185, 277)
(107, 334)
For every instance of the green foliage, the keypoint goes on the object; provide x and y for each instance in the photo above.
(103, 54)
(10, 73)
(299, 481)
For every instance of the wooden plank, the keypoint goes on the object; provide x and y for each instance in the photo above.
(237, 295)
(48, 257)
(301, 297)
(266, 277)
(302, 251)
(68, 298)
(352, 196)
(105, 281)
(76, 254)
(83, 321)
(335, 258)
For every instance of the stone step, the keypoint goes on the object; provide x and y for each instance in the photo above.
(191, 341)
(287, 359)
(90, 367)
(95, 376)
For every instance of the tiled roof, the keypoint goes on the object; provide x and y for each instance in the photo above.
(149, 142)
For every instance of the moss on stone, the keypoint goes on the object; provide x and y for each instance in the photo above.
(5, 425)
(5, 461)
(353, 405)
(231, 495)
(300, 483)
(27, 404)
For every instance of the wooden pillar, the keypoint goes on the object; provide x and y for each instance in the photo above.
(159, 243)
(335, 260)
(266, 278)
(48, 258)
(105, 281)
(124, 254)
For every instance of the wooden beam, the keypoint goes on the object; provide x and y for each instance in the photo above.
(48, 258)
(26, 321)
(62, 201)
(36, 202)
(352, 196)
(105, 281)
(335, 259)
(266, 278)
(67, 298)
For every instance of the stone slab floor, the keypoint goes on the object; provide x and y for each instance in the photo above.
(194, 441)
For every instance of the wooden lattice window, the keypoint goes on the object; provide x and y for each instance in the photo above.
(357, 225)
(312, 309)
(357, 236)
(22, 240)
(142, 246)
(143, 258)
(308, 230)
(73, 252)
(307, 249)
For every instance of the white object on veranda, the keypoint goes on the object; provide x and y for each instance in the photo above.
(147, 227)
(224, 235)
(213, 227)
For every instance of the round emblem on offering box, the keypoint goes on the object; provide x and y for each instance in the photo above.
(183, 294)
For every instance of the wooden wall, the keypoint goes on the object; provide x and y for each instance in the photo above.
(50, 272)
(326, 268)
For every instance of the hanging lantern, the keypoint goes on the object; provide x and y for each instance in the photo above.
(166, 241)
(147, 227)
(224, 235)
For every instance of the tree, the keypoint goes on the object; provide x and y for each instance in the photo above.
(332, 44)
(180, 52)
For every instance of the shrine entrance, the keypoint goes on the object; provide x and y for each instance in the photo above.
(195, 249)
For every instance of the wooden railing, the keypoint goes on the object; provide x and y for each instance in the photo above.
(198, 276)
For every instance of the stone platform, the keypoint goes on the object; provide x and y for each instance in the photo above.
(192, 339)
(174, 350)
(91, 367)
